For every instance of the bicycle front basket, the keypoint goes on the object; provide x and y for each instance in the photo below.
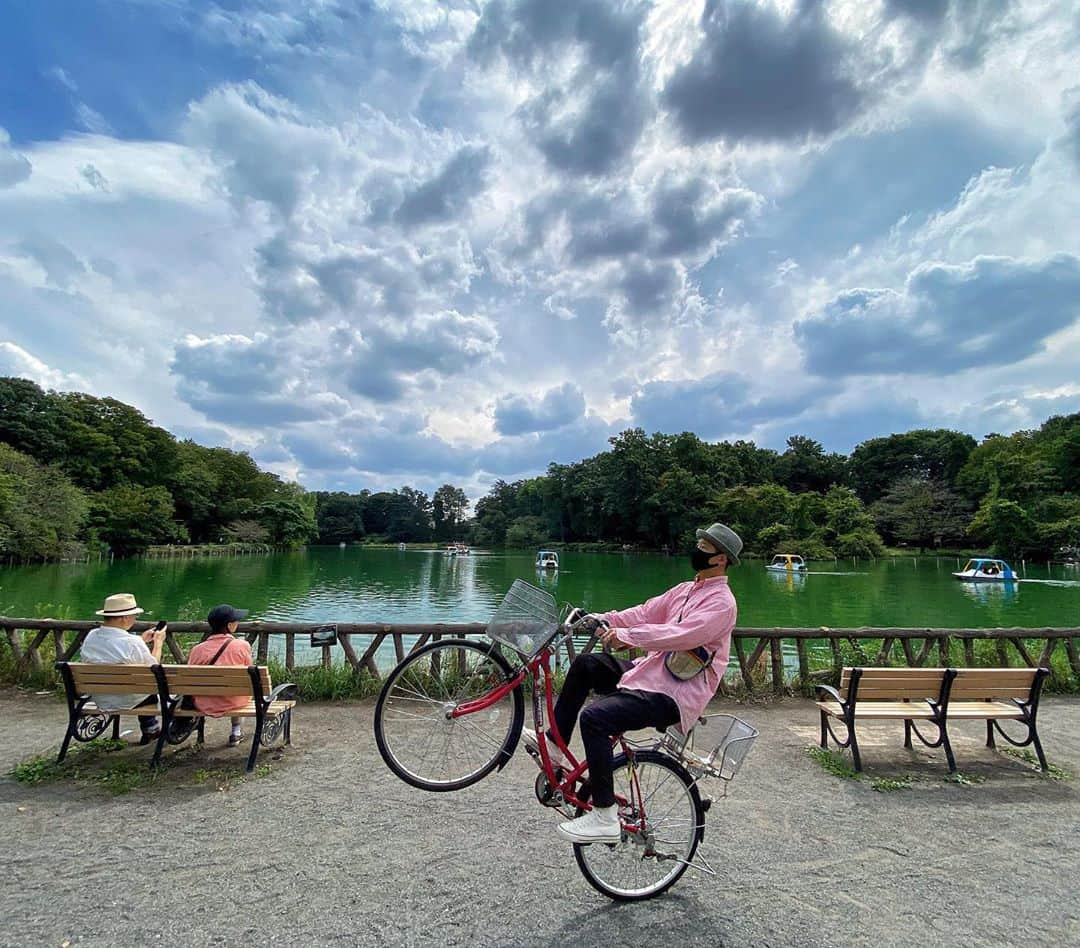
(526, 619)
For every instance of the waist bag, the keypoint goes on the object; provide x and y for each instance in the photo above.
(686, 665)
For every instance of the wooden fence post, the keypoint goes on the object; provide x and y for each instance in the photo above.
(804, 662)
(15, 641)
(969, 652)
(777, 666)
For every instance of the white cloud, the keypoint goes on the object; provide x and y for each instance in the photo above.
(14, 167)
(16, 361)
(440, 241)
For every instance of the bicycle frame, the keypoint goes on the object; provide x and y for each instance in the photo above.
(565, 789)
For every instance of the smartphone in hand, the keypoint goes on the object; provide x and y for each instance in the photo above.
(161, 623)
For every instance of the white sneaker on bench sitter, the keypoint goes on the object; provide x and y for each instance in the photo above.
(599, 825)
(558, 758)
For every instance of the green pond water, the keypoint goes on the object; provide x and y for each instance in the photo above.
(377, 585)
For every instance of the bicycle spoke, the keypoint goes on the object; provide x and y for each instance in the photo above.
(434, 750)
(663, 794)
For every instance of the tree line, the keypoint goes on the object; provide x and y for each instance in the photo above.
(82, 474)
(1014, 495)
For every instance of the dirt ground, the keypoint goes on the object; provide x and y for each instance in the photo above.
(326, 847)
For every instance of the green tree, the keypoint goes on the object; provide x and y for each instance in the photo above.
(289, 516)
(526, 532)
(448, 506)
(925, 454)
(1005, 525)
(30, 420)
(922, 513)
(246, 531)
(41, 512)
(131, 518)
(340, 517)
(805, 466)
(676, 507)
(749, 510)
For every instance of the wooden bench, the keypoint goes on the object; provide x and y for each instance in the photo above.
(270, 707)
(935, 696)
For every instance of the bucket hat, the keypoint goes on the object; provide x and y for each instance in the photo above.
(724, 539)
(119, 604)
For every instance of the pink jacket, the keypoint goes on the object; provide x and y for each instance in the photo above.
(708, 612)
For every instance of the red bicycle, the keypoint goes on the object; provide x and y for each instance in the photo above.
(453, 710)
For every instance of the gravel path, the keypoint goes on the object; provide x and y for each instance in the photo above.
(328, 848)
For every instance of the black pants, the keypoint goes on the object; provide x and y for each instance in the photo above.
(613, 714)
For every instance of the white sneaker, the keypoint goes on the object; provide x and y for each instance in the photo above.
(599, 825)
(558, 758)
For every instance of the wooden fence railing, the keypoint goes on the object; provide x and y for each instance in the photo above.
(360, 643)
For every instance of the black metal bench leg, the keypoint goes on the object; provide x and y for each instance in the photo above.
(1038, 749)
(856, 759)
(948, 749)
(288, 726)
(155, 761)
(202, 731)
(990, 742)
(67, 741)
(824, 730)
(907, 733)
(256, 740)
(116, 727)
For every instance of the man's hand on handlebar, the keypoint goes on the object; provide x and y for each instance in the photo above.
(588, 623)
(584, 622)
(610, 637)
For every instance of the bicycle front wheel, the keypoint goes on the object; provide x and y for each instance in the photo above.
(642, 866)
(416, 734)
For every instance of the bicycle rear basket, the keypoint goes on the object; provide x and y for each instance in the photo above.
(715, 748)
(526, 619)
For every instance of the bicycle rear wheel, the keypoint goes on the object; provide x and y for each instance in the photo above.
(642, 866)
(414, 731)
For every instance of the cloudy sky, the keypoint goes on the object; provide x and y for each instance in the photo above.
(403, 241)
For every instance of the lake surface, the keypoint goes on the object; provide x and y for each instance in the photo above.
(375, 585)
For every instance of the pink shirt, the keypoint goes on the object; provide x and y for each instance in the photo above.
(708, 612)
(237, 652)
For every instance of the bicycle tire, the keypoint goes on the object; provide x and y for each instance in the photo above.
(411, 715)
(601, 862)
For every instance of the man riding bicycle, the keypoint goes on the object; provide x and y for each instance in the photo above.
(686, 634)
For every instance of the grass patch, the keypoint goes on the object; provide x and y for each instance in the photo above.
(43, 768)
(336, 683)
(833, 763)
(1053, 771)
(127, 775)
(224, 778)
(88, 764)
(964, 780)
(891, 784)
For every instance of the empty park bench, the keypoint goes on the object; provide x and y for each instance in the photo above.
(270, 707)
(934, 696)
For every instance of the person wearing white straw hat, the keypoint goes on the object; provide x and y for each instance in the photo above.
(112, 643)
(685, 634)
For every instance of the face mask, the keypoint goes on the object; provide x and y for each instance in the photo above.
(699, 559)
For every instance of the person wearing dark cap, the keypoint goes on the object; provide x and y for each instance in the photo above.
(685, 633)
(221, 647)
